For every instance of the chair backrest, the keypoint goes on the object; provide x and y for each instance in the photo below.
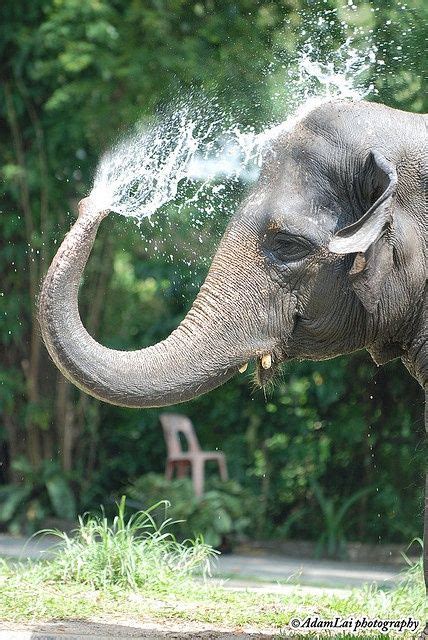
(173, 424)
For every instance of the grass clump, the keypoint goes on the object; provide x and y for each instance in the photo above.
(133, 553)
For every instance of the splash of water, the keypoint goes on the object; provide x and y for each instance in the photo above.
(144, 172)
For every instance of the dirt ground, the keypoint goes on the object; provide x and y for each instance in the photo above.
(123, 629)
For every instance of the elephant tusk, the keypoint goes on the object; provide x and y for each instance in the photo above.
(267, 361)
(243, 368)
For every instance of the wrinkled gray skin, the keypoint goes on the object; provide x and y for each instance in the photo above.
(326, 255)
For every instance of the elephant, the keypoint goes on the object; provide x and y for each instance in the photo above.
(326, 255)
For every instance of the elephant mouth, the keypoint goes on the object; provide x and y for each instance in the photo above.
(268, 367)
(265, 376)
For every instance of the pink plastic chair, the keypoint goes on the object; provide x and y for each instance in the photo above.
(173, 424)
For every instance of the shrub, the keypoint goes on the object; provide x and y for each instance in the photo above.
(222, 515)
(43, 491)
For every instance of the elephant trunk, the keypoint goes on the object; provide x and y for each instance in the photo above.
(205, 350)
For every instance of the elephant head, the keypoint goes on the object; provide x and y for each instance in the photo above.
(326, 255)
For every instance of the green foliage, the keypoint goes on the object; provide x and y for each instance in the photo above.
(130, 553)
(222, 515)
(43, 491)
(335, 520)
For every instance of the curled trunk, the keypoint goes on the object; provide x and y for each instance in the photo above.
(205, 350)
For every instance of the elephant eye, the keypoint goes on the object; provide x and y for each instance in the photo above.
(290, 248)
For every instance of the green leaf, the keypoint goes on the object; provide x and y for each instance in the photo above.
(17, 494)
(223, 522)
(61, 497)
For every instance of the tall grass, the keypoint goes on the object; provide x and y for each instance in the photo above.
(133, 553)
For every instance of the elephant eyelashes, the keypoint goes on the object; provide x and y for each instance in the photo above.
(289, 249)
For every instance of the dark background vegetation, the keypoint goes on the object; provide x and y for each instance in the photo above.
(73, 75)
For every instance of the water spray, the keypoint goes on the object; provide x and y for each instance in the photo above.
(145, 170)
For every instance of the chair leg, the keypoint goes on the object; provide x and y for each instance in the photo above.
(223, 469)
(169, 470)
(198, 472)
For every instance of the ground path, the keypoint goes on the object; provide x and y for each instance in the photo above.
(124, 630)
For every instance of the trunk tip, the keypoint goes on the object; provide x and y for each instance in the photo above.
(88, 207)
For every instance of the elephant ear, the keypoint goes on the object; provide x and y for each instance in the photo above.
(369, 237)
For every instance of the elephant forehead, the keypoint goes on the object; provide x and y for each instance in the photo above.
(305, 164)
(297, 200)
(303, 216)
